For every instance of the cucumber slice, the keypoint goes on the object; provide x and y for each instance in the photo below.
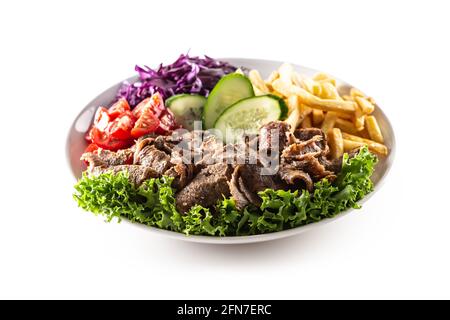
(230, 89)
(248, 115)
(186, 109)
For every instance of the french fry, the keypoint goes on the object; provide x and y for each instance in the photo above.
(329, 91)
(346, 126)
(325, 78)
(258, 92)
(257, 81)
(310, 86)
(328, 122)
(306, 123)
(359, 118)
(373, 146)
(349, 145)
(366, 106)
(317, 117)
(313, 101)
(356, 93)
(272, 77)
(345, 116)
(346, 97)
(295, 116)
(285, 71)
(296, 79)
(374, 129)
(336, 143)
(292, 103)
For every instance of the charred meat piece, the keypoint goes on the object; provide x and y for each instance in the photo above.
(150, 156)
(106, 158)
(210, 185)
(297, 151)
(275, 136)
(247, 181)
(182, 174)
(136, 174)
(312, 133)
(311, 165)
(296, 177)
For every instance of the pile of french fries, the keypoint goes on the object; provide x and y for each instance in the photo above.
(347, 120)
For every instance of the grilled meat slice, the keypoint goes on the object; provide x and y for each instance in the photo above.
(296, 177)
(275, 135)
(247, 181)
(182, 174)
(150, 156)
(210, 185)
(106, 158)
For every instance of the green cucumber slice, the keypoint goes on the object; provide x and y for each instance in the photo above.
(248, 115)
(230, 89)
(186, 108)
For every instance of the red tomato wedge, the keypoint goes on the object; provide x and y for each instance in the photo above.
(147, 123)
(118, 108)
(101, 119)
(167, 123)
(105, 141)
(121, 127)
(155, 103)
(91, 148)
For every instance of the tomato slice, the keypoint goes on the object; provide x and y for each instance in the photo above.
(91, 148)
(118, 108)
(147, 123)
(103, 140)
(166, 124)
(137, 111)
(101, 119)
(155, 103)
(121, 127)
(87, 135)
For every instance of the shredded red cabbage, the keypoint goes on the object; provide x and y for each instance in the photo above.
(186, 75)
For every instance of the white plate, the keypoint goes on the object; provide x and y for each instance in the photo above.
(76, 145)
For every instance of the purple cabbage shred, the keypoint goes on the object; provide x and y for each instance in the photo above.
(186, 75)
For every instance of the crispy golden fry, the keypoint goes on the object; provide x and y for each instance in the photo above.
(292, 103)
(306, 123)
(336, 143)
(258, 82)
(346, 126)
(296, 79)
(286, 71)
(239, 70)
(347, 97)
(366, 106)
(294, 119)
(358, 119)
(329, 91)
(317, 117)
(374, 146)
(328, 122)
(356, 93)
(258, 92)
(374, 129)
(272, 77)
(313, 101)
(345, 116)
(371, 100)
(324, 78)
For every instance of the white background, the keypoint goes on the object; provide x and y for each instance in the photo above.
(55, 57)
